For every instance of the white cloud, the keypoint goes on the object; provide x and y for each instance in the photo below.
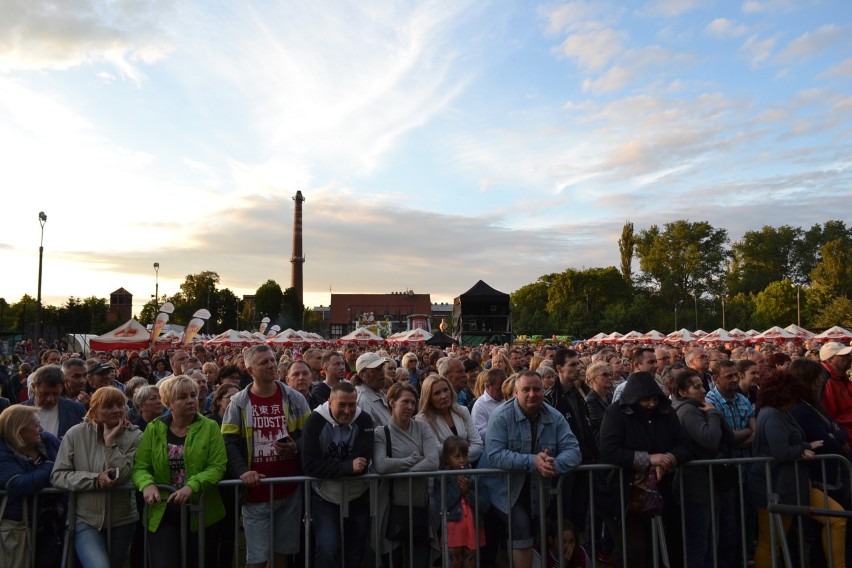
(812, 44)
(757, 51)
(51, 35)
(842, 69)
(723, 27)
(673, 8)
(593, 50)
(766, 6)
(578, 16)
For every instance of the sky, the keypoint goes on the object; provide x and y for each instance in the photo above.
(436, 143)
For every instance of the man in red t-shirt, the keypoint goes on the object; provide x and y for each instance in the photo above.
(262, 427)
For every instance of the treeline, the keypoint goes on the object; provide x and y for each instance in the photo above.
(691, 275)
(198, 291)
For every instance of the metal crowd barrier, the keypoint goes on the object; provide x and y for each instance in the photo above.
(549, 498)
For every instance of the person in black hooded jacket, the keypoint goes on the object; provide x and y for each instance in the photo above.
(641, 433)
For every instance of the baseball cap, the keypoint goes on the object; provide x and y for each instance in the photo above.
(829, 350)
(369, 361)
(99, 368)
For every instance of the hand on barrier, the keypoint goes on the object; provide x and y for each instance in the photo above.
(151, 495)
(251, 478)
(359, 465)
(545, 464)
(107, 478)
(181, 496)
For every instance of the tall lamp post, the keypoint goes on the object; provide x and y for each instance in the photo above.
(42, 219)
(156, 284)
(679, 302)
(798, 305)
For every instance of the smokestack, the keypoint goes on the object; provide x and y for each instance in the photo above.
(298, 258)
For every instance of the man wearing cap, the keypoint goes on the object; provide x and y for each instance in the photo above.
(57, 414)
(837, 390)
(101, 375)
(371, 399)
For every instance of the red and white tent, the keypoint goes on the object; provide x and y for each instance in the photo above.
(799, 332)
(775, 333)
(287, 338)
(361, 336)
(631, 337)
(611, 338)
(835, 333)
(168, 338)
(411, 337)
(699, 333)
(719, 336)
(596, 338)
(739, 334)
(231, 338)
(129, 335)
(654, 336)
(681, 336)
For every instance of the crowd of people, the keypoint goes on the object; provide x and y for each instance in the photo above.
(173, 424)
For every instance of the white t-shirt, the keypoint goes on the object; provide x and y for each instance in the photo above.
(50, 420)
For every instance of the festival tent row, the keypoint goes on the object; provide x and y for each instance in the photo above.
(134, 335)
(684, 336)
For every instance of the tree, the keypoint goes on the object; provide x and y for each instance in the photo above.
(765, 256)
(197, 291)
(837, 312)
(834, 271)
(529, 312)
(292, 310)
(776, 304)
(314, 322)
(683, 259)
(268, 299)
(626, 246)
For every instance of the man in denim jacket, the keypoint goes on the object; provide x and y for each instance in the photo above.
(529, 437)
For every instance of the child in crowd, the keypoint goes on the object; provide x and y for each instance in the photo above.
(461, 523)
(573, 555)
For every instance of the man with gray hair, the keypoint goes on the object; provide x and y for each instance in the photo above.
(57, 414)
(75, 381)
(453, 370)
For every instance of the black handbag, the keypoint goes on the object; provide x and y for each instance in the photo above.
(398, 527)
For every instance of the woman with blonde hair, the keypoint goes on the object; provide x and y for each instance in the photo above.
(500, 361)
(446, 417)
(535, 361)
(98, 454)
(186, 451)
(27, 454)
(409, 363)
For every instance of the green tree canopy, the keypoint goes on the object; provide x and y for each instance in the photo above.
(683, 259)
(268, 299)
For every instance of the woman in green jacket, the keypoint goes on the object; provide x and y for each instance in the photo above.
(186, 451)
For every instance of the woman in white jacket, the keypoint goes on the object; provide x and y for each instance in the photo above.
(446, 417)
(95, 456)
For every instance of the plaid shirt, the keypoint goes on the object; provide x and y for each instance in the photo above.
(737, 413)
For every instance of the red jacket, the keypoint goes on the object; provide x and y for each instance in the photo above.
(837, 398)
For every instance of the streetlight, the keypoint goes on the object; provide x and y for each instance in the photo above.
(157, 284)
(696, 309)
(723, 312)
(679, 302)
(42, 219)
(798, 305)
